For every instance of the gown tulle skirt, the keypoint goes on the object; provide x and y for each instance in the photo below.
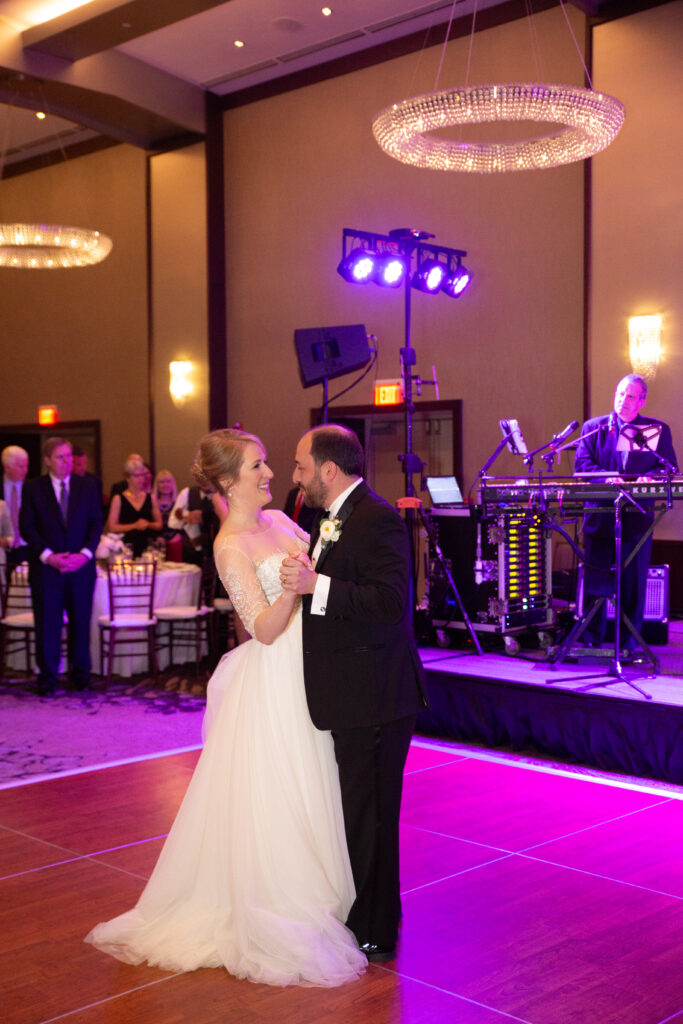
(254, 875)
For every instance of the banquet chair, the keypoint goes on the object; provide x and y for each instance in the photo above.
(17, 626)
(190, 625)
(131, 621)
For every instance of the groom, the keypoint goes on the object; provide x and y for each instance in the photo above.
(363, 675)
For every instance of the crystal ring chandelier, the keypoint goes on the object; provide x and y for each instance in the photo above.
(48, 246)
(590, 121)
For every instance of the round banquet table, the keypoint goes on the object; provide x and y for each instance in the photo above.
(177, 583)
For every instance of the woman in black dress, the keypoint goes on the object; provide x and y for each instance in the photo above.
(135, 513)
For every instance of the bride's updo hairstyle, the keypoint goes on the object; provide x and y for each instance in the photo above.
(220, 457)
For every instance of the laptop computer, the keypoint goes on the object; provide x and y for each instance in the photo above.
(444, 491)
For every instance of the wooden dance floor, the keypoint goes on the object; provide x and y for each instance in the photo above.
(528, 895)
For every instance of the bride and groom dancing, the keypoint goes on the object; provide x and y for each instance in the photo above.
(282, 863)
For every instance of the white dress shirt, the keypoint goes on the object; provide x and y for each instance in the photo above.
(322, 586)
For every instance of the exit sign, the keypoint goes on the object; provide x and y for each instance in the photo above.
(388, 392)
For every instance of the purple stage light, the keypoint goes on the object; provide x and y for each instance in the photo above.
(390, 270)
(455, 282)
(430, 276)
(359, 266)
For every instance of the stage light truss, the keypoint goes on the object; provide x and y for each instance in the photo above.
(386, 260)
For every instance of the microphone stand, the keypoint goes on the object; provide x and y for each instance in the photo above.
(492, 458)
(549, 456)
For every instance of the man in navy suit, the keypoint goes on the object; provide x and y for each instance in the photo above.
(61, 521)
(362, 671)
(622, 443)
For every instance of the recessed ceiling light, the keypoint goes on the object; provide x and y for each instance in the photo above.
(40, 115)
(239, 44)
(327, 11)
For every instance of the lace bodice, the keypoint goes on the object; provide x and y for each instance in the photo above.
(249, 564)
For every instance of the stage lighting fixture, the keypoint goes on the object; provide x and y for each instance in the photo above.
(390, 270)
(429, 276)
(456, 281)
(359, 266)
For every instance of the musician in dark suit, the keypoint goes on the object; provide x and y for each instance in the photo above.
(622, 444)
(61, 521)
(362, 670)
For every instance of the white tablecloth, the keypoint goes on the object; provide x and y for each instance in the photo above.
(177, 583)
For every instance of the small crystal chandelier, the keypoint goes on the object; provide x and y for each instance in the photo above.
(49, 246)
(591, 121)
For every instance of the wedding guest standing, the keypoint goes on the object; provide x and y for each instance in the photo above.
(199, 513)
(61, 520)
(14, 470)
(165, 490)
(6, 538)
(135, 513)
(120, 486)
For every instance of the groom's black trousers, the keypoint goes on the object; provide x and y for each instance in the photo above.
(371, 760)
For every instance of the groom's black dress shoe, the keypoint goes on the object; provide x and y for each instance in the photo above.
(378, 954)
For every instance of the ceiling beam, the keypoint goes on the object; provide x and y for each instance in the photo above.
(112, 115)
(103, 24)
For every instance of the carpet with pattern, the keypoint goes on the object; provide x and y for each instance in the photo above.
(41, 737)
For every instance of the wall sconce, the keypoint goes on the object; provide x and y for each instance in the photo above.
(644, 340)
(181, 385)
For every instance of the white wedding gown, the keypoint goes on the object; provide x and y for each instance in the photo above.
(255, 874)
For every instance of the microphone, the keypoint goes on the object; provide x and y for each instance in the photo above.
(564, 434)
(612, 422)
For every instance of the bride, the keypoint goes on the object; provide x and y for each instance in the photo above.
(254, 875)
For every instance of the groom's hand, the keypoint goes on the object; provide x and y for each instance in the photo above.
(297, 575)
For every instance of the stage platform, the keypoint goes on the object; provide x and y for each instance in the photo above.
(523, 703)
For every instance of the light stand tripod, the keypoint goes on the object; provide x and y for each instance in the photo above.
(408, 241)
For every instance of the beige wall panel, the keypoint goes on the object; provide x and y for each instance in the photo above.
(304, 165)
(179, 303)
(77, 338)
(638, 212)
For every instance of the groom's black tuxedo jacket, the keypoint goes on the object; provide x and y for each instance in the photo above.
(361, 664)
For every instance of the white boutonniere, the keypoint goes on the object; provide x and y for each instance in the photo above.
(330, 530)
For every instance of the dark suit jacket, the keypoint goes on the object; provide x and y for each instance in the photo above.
(361, 664)
(41, 523)
(599, 452)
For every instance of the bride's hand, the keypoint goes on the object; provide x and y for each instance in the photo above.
(300, 556)
(297, 575)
